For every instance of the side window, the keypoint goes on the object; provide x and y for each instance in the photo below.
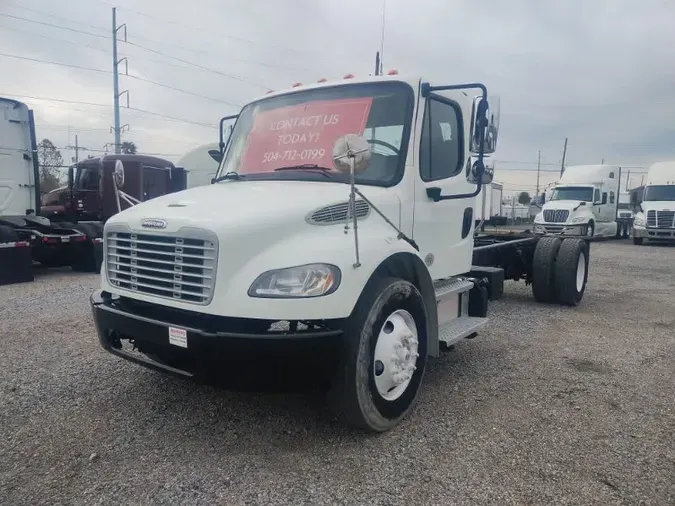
(441, 146)
(596, 196)
(611, 197)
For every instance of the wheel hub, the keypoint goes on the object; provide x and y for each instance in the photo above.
(396, 354)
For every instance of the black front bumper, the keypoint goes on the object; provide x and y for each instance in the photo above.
(210, 339)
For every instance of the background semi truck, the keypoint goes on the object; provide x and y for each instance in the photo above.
(624, 216)
(342, 211)
(655, 216)
(65, 226)
(583, 203)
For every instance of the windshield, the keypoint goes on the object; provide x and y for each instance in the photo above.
(659, 192)
(584, 193)
(87, 178)
(297, 132)
(625, 207)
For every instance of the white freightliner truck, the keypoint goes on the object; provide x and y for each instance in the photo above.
(583, 203)
(656, 217)
(341, 210)
(624, 216)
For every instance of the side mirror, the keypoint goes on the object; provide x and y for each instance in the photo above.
(118, 174)
(351, 151)
(604, 198)
(480, 173)
(216, 155)
(485, 116)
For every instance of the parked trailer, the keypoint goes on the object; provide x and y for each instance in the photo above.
(65, 226)
(655, 217)
(377, 252)
(583, 202)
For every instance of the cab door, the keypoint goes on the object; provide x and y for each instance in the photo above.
(443, 230)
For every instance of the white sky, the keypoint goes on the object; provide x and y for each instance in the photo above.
(599, 72)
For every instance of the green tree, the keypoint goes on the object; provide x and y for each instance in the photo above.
(51, 163)
(524, 198)
(128, 148)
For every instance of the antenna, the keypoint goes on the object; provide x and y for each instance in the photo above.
(381, 53)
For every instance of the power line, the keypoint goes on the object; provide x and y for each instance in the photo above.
(52, 99)
(102, 71)
(55, 26)
(229, 76)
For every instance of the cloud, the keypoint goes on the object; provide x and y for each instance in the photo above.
(599, 73)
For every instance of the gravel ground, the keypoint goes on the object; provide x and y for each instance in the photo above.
(547, 405)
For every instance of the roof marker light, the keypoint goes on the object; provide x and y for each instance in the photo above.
(392, 72)
(322, 80)
(348, 76)
(295, 85)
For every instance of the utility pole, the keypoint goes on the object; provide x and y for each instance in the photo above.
(538, 169)
(117, 130)
(77, 149)
(602, 162)
(377, 63)
(562, 165)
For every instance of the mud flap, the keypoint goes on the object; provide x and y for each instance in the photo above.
(16, 264)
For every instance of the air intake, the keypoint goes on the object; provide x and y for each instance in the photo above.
(337, 213)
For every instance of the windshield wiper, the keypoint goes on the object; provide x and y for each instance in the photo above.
(309, 167)
(229, 175)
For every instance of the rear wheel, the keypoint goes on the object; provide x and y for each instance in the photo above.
(543, 269)
(86, 260)
(384, 356)
(571, 271)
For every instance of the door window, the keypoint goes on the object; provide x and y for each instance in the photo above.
(441, 146)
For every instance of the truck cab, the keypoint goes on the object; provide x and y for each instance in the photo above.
(341, 210)
(655, 219)
(582, 203)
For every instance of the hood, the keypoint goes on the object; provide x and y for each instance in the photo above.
(658, 205)
(568, 205)
(250, 205)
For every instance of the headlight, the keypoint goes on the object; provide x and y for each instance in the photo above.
(639, 221)
(539, 218)
(578, 219)
(311, 280)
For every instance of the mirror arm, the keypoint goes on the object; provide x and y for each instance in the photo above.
(434, 193)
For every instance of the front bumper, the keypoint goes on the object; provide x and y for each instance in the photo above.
(191, 342)
(560, 229)
(657, 234)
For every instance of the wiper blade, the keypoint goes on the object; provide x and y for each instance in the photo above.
(229, 175)
(308, 167)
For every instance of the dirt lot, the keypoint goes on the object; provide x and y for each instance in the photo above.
(547, 405)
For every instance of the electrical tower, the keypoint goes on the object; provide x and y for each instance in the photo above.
(117, 129)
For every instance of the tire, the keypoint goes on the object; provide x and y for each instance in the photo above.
(626, 231)
(543, 269)
(570, 281)
(638, 241)
(590, 230)
(355, 395)
(619, 231)
(87, 261)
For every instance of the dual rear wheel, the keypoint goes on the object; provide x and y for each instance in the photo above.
(560, 270)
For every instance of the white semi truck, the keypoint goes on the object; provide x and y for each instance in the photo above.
(624, 216)
(342, 210)
(656, 217)
(583, 203)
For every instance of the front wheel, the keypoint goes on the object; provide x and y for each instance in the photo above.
(384, 356)
(571, 271)
(638, 241)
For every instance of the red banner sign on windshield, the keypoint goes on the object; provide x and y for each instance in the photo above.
(302, 134)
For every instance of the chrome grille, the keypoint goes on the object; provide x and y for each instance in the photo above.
(556, 215)
(174, 267)
(651, 218)
(338, 213)
(665, 219)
